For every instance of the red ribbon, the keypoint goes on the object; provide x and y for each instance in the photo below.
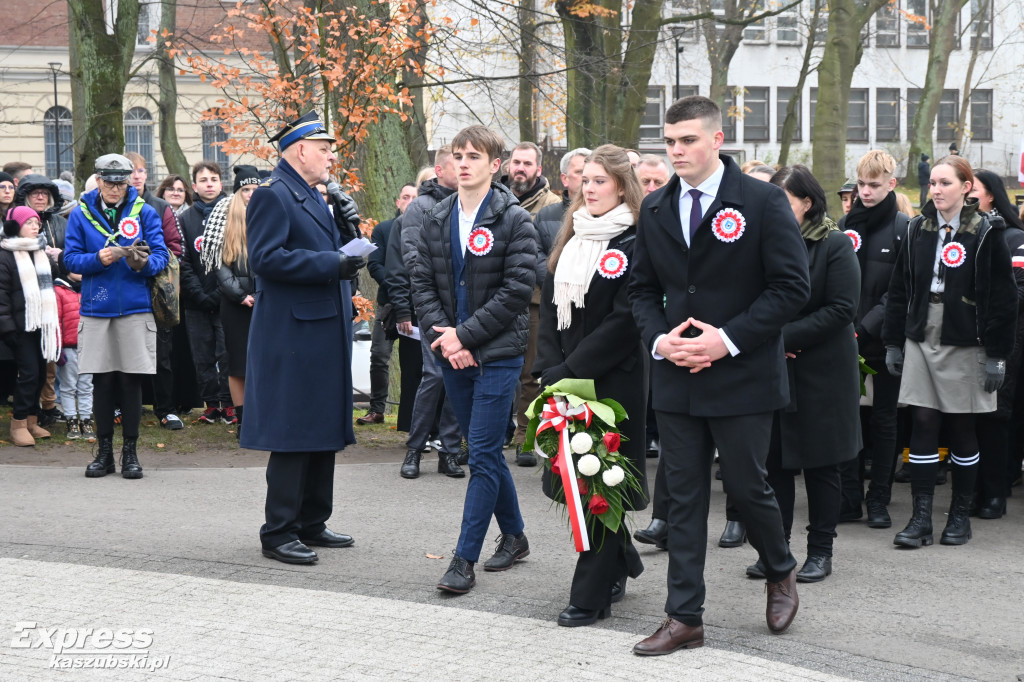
(557, 415)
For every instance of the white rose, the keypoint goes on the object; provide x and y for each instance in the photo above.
(589, 465)
(581, 443)
(614, 476)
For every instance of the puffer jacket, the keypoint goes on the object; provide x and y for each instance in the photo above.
(548, 223)
(235, 281)
(53, 224)
(499, 283)
(69, 302)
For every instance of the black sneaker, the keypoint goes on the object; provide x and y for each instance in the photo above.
(74, 431)
(462, 459)
(171, 422)
(525, 458)
(48, 417)
(510, 549)
(211, 415)
(88, 430)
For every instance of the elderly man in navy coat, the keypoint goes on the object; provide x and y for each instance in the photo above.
(718, 268)
(300, 341)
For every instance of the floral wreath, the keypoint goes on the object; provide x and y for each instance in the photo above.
(855, 238)
(198, 244)
(612, 264)
(954, 254)
(480, 242)
(575, 435)
(129, 228)
(728, 225)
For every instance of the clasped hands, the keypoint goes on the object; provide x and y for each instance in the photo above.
(696, 352)
(452, 349)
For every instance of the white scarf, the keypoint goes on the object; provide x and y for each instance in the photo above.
(37, 287)
(578, 260)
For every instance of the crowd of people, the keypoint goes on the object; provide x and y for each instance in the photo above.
(745, 325)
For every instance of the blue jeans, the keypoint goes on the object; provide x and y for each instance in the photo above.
(482, 400)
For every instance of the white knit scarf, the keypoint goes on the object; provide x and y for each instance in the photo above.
(37, 286)
(578, 260)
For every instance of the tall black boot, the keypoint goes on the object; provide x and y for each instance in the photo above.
(130, 467)
(958, 523)
(918, 532)
(104, 462)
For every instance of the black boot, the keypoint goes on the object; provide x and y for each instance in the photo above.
(918, 532)
(130, 467)
(448, 465)
(655, 534)
(958, 523)
(878, 515)
(238, 429)
(104, 462)
(411, 463)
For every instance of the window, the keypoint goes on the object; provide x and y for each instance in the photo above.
(948, 115)
(730, 115)
(652, 126)
(149, 21)
(887, 115)
(685, 91)
(887, 26)
(755, 115)
(686, 31)
(58, 135)
(138, 135)
(813, 106)
(917, 23)
(214, 133)
(857, 116)
(981, 115)
(782, 97)
(786, 28)
(981, 24)
(756, 32)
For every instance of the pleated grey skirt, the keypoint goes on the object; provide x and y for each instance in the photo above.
(946, 378)
(117, 344)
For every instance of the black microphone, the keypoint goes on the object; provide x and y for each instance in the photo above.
(334, 189)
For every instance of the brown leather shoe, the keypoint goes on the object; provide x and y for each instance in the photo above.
(783, 603)
(371, 418)
(671, 636)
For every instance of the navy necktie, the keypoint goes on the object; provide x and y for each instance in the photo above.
(696, 214)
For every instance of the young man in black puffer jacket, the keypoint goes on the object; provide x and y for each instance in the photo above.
(471, 286)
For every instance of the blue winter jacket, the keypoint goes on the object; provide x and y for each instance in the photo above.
(114, 290)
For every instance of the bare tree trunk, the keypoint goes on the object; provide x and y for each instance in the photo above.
(527, 67)
(167, 103)
(416, 123)
(965, 99)
(789, 124)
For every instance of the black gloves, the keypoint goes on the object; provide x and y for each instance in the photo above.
(553, 375)
(348, 266)
(995, 373)
(345, 208)
(894, 360)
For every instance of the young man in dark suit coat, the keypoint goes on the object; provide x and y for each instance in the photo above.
(719, 268)
(301, 338)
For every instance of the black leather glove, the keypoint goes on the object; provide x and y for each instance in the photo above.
(552, 375)
(348, 266)
(894, 360)
(995, 373)
(345, 206)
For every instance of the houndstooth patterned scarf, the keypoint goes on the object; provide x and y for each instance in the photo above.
(213, 236)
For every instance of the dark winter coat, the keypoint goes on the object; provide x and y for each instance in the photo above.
(821, 424)
(235, 281)
(53, 225)
(980, 297)
(405, 232)
(603, 343)
(199, 289)
(1008, 391)
(12, 296)
(499, 283)
(375, 261)
(548, 222)
(172, 233)
(298, 384)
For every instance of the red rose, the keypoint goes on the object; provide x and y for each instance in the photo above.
(556, 469)
(598, 505)
(582, 485)
(611, 441)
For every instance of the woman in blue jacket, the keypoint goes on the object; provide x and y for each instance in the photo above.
(106, 243)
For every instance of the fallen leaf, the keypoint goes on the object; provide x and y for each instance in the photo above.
(159, 445)
(435, 556)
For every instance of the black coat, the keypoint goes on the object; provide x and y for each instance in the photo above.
(12, 296)
(199, 290)
(603, 343)
(235, 281)
(548, 222)
(375, 261)
(821, 424)
(499, 283)
(749, 288)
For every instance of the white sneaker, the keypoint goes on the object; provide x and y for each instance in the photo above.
(172, 423)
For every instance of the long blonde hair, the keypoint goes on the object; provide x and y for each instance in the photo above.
(235, 244)
(616, 164)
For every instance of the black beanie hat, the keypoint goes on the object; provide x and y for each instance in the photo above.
(6, 177)
(246, 175)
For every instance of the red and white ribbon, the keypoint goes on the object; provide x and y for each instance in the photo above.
(728, 225)
(855, 238)
(129, 228)
(954, 254)
(612, 264)
(480, 242)
(557, 415)
(198, 243)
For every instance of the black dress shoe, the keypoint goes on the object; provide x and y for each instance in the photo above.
(411, 463)
(992, 508)
(618, 590)
(878, 515)
(653, 448)
(525, 458)
(815, 569)
(510, 549)
(655, 534)
(459, 578)
(734, 535)
(293, 552)
(574, 617)
(756, 570)
(448, 465)
(328, 538)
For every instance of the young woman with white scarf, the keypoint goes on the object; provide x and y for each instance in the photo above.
(587, 331)
(28, 317)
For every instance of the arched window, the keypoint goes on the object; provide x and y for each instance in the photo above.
(138, 135)
(213, 133)
(57, 136)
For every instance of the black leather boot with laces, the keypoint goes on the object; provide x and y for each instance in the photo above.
(918, 532)
(130, 467)
(104, 462)
(958, 523)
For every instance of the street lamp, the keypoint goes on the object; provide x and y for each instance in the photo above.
(55, 69)
(678, 32)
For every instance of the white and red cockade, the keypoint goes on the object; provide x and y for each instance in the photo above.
(129, 228)
(954, 254)
(728, 225)
(612, 264)
(198, 243)
(855, 238)
(481, 241)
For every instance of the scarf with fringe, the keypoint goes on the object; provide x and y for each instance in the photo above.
(213, 235)
(37, 287)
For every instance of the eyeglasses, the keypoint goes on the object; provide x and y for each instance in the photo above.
(6, 187)
(119, 185)
(176, 190)
(39, 193)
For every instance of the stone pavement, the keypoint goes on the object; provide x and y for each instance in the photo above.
(177, 554)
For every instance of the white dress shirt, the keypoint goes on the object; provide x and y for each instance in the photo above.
(939, 286)
(466, 220)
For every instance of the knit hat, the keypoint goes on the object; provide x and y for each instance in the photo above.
(246, 175)
(6, 177)
(848, 187)
(16, 218)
